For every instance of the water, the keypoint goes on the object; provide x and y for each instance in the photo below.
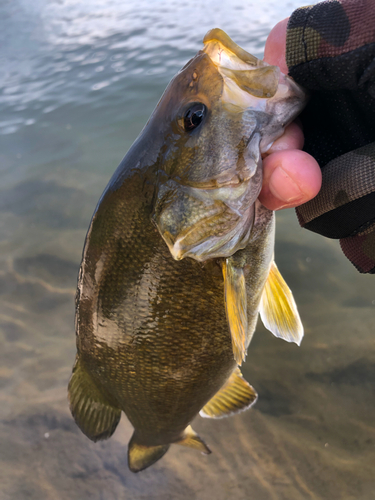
(78, 81)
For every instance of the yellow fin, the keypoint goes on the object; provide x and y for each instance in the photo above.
(236, 395)
(278, 309)
(259, 82)
(192, 440)
(93, 414)
(236, 308)
(140, 456)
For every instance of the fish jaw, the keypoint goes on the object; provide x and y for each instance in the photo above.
(252, 83)
(248, 81)
(287, 103)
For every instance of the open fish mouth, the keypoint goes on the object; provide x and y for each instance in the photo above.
(248, 81)
(245, 76)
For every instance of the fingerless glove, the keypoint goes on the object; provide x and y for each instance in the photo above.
(331, 52)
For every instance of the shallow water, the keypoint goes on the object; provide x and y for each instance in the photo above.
(78, 82)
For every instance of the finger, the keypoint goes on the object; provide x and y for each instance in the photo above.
(291, 177)
(291, 139)
(274, 51)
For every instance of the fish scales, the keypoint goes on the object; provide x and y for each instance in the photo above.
(164, 338)
(178, 255)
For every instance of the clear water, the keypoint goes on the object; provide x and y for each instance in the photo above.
(78, 81)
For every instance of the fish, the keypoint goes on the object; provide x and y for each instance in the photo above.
(178, 258)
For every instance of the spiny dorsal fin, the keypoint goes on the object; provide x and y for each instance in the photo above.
(235, 396)
(140, 456)
(278, 309)
(192, 440)
(236, 308)
(92, 412)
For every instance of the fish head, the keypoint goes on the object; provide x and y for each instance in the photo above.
(217, 116)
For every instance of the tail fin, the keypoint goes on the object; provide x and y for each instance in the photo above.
(140, 457)
(93, 414)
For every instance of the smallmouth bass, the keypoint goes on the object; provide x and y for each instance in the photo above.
(178, 258)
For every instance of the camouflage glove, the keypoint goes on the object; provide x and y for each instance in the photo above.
(331, 51)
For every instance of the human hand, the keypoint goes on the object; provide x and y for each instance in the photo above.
(291, 177)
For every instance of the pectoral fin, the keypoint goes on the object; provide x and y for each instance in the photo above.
(236, 308)
(278, 309)
(192, 440)
(235, 396)
(94, 415)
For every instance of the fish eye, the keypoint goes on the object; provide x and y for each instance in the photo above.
(194, 116)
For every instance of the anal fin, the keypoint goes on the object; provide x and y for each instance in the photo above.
(192, 440)
(278, 309)
(236, 395)
(236, 308)
(94, 415)
(140, 456)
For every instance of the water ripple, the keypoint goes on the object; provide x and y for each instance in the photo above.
(57, 53)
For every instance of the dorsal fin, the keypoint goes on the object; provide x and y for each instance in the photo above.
(192, 440)
(236, 395)
(236, 308)
(278, 309)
